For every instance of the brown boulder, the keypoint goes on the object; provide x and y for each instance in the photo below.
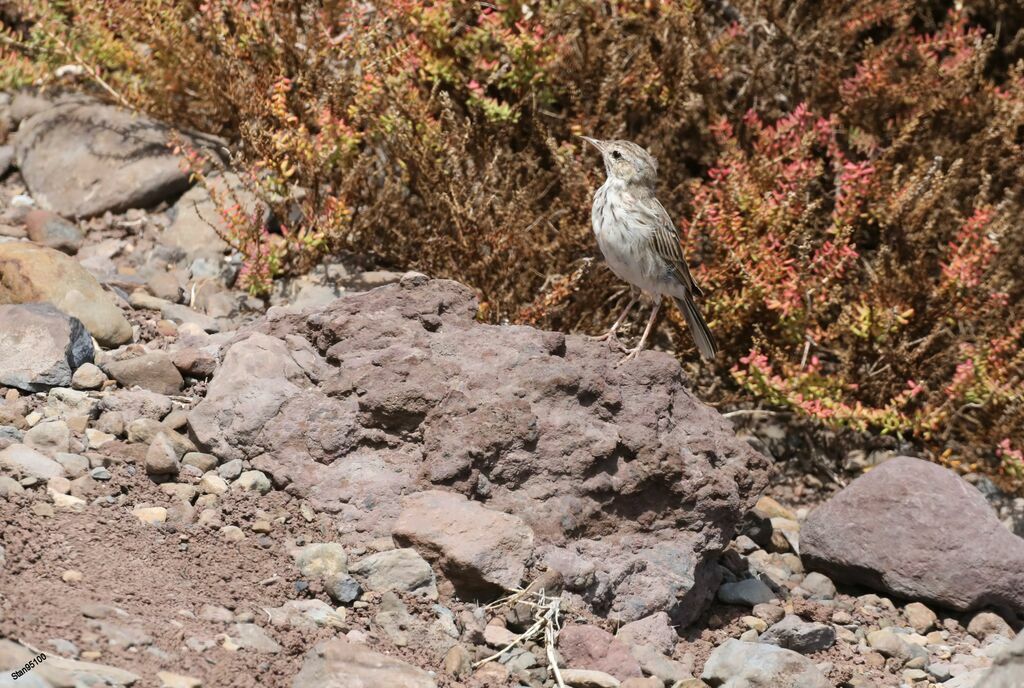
(917, 530)
(30, 273)
(630, 485)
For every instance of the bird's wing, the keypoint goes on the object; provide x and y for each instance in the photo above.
(664, 240)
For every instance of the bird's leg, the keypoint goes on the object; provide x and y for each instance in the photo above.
(611, 334)
(633, 353)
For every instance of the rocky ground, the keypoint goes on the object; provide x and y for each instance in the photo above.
(353, 483)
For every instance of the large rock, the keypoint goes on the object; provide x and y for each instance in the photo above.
(736, 664)
(30, 273)
(630, 485)
(915, 529)
(40, 347)
(26, 461)
(152, 371)
(83, 159)
(480, 551)
(340, 664)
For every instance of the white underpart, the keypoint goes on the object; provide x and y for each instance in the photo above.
(625, 242)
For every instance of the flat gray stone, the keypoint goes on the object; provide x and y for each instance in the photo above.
(736, 664)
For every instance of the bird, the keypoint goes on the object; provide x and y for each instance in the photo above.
(641, 244)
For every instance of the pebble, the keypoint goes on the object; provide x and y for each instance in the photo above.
(343, 588)
(230, 470)
(921, 618)
(72, 576)
(151, 514)
(985, 624)
(747, 592)
(213, 484)
(172, 680)
(88, 377)
(100, 473)
(96, 439)
(232, 533)
(587, 678)
(204, 462)
(254, 481)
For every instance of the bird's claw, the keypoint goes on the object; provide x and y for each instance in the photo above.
(632, 353)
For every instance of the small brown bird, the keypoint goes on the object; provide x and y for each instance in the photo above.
(640, 242)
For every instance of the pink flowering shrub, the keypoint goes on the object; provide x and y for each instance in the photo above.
(846, 177)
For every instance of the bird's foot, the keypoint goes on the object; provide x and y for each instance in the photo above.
(611, 334)
(632, 353)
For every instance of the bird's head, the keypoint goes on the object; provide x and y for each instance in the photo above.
(626, 161)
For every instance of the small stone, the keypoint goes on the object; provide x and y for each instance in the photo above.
(53, 231)
(162, 457)
(232, 533)
(793, 633)
(817, 586)
(498, 636)
(72, 576)
(153, 371)
(252, 637)
(755, 623)
(770, 613)
(921, 618)
(890, 644)
(67, 502)
(230, 470)
(165, 285)
(49, 437)
(253, 481)
(589, 678)
(25, 461)
(204, 462)
(97, 439)
(262, 526)
(749, 636)
(181, 492)
(88, 376)
(458, 663)
(212, 612)
(984, 624)
(343, 588)
(100, 473)
(212, 483)
(171, 680)
(748, 592)
(58, 484)
(403, 570)
(655, 630)
(321, 560)
(152, 514)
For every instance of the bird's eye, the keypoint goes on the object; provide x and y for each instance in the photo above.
(616, 154)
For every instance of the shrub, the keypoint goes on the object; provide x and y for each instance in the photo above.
(846, 177)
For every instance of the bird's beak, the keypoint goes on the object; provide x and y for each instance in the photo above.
(599, 145)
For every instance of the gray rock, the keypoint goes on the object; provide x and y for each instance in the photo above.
(196, 219)
(917, 530)
(25, 461)
(793, 633)
(75, 465)
(338, 663)
(82, 160)
(40, 347)
(249, 636)
(747, 592)
(52, 230)
(403, 570)
(736, 664)
(230, 470)
(400, 390)
(59, 671)
(654, 663)
(589, 678)
(30, 273)
(50, 437)
(816, 586)
(343, 588)
(305, 614)
(153, 371)
(137, 403)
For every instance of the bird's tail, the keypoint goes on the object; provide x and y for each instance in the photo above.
(702, 336)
